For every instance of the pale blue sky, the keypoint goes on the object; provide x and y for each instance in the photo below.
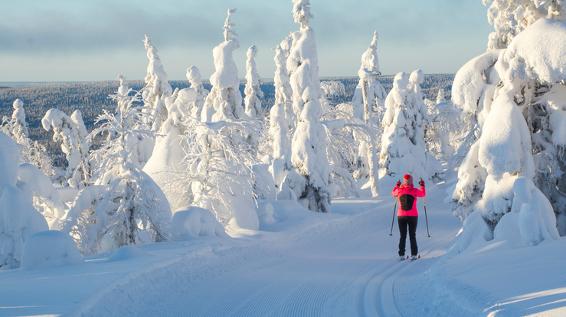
(58, 40)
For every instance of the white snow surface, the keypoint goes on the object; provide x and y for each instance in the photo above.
(337, 264)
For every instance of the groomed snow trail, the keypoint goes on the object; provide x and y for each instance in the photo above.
(341, 264)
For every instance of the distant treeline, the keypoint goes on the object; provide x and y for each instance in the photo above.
(91, 97)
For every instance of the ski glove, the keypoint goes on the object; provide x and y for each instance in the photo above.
(421, 182)
(398, 184)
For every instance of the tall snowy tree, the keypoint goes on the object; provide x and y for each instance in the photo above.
(310, 181)
(156, 87)
(369, 95)
(224, 100)
(252, 90)
(278, 125)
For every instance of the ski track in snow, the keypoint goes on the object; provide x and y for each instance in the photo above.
(342, 266)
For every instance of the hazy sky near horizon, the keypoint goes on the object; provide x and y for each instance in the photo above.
(67, 40)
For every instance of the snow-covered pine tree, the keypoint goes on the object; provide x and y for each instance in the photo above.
(124, 205)
(252, 90)
(369, 95)
(71, 133)
(156, 87)
(402, 145)
(310, 180)
(224, 100)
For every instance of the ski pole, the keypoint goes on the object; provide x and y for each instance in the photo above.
(426, 218)
(393, 218)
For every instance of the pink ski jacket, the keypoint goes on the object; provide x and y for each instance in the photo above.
(407, 199)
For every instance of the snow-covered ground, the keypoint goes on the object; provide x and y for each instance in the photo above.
(338, 264)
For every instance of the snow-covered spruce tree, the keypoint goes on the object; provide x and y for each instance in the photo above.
(530, 87)
(369, 95)
(224, 100)
(124, 205)
(309, 182)
(278, 124)
(402, 144)
(71, 133)
(18, 218)
(156, 87)
(253, 92)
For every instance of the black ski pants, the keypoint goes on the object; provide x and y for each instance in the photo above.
(409, 222)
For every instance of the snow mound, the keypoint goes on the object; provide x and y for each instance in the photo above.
(49, 249)
(195, 222)
(543, 47)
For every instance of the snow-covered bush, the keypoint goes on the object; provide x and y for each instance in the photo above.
(521, 116)
(369, 95)
(195, 222)
(309, 183)
(402, 145)
(72, 134)
(50, 249)
(124, 207)
(18, 218)
(252, 90)
(156, 87)
(217, 165)
(224, 100)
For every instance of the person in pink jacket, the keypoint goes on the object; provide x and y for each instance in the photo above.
(407, 213)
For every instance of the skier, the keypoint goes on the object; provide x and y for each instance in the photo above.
(407, 214)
